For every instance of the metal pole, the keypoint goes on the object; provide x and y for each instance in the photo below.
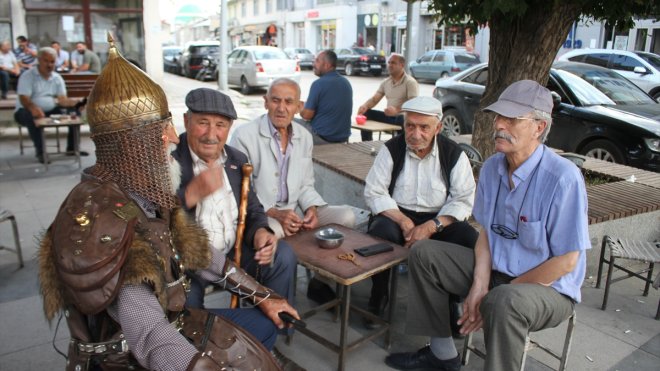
(409, 12)
(224, 40)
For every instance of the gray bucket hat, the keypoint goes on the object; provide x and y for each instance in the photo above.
(522, 97)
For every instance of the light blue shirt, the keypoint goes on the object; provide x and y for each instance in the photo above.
(282, 161)
(547, 208)
(41, 92)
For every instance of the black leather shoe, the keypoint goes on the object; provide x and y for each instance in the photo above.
(319, 291)
(286, 363)
(422, 359)
(377, 305)
(41, 159)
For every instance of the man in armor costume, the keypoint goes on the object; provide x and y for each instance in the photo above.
(114, 259)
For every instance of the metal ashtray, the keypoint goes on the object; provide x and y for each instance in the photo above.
(329, 238)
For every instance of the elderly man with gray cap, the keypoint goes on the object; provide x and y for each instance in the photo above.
(529, 262)
(210, 191)
(420, 186)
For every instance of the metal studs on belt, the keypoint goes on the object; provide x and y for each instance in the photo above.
(106, 238)
(82, 219)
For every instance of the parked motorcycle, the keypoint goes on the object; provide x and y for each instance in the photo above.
(207, 72)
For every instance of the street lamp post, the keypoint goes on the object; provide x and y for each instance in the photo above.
(222, 76)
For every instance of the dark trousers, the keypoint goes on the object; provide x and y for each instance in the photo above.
(278, 278)
(380, 116)
(460, 233)
(5, 77)
(24, 118)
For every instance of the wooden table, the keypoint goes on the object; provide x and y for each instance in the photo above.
(380, 127)
(326, 263)
(71, 124)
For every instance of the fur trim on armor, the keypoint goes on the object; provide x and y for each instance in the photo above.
(49, 282)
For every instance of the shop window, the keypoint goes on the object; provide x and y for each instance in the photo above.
(255, 7)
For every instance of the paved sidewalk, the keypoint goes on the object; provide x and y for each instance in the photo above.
(625, 337)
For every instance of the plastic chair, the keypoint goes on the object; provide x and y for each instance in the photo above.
(529, 345)
(620, 248)
(7, 215)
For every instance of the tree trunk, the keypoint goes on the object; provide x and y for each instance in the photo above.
(521, 48)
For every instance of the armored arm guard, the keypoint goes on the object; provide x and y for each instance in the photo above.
(236, 280)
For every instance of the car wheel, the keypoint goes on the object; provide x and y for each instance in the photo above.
(245, 87)
(603, 149)
(348, 69)
(451, 123)
(377, 73)
(656, 96)
(444, 75)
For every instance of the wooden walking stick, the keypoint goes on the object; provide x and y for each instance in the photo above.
(242, 213)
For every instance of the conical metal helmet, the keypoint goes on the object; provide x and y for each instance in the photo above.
(124, 97)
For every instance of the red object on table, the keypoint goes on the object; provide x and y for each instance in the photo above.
(360, 119)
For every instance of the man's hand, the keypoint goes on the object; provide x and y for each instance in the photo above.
(362, 110)
(420, 232)
(391, 111)
(36, 112)
(311, 220)
(271, 308)
(207, 182)
(265, 243)
(288, 219)
(471, 319)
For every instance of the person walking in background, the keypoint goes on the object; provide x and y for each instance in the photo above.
(330, 102)
(8, 67)
(397, 89)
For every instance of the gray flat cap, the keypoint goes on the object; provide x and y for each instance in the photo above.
(522, 97)
(424, 105)
(205, 100)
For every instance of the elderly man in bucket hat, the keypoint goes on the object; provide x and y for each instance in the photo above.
(420, 186)
(529, 262)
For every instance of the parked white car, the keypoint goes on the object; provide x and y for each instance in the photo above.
(257, 66)
(642, 68)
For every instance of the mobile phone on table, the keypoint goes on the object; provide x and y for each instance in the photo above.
(374, 249)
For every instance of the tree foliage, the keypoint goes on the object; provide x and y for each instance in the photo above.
(525, 36)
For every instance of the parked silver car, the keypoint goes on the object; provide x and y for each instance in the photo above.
(641, 68)
(442, 63)
(257, 66)
(304, 57)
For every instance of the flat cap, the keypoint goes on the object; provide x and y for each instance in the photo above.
(424, 105)
(205, 100)
(521, 98)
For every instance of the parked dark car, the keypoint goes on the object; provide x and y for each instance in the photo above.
(442, 63)
(354, 61)
(304, 57)
(171, 55)
(601, 114)
(193, 55)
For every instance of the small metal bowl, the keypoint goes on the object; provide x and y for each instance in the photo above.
(329, 238)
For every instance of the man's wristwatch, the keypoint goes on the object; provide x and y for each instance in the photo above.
(438, 225)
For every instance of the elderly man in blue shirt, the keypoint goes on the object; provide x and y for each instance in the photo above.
(529, 262)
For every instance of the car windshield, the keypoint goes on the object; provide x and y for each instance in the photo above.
(584, 91)
(205, 49)
(363, 51)
(652, 59)
(303, 51)
(274, 53)
(616, 88)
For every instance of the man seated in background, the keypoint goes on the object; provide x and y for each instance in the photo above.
(84, 60)
(8, 67)
(26, 53)
(397, 89)
(41, 93)
(62, 62)
(281, 152)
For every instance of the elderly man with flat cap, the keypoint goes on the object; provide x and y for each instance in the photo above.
(420, 186)
(529, 262)
(210, 191)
